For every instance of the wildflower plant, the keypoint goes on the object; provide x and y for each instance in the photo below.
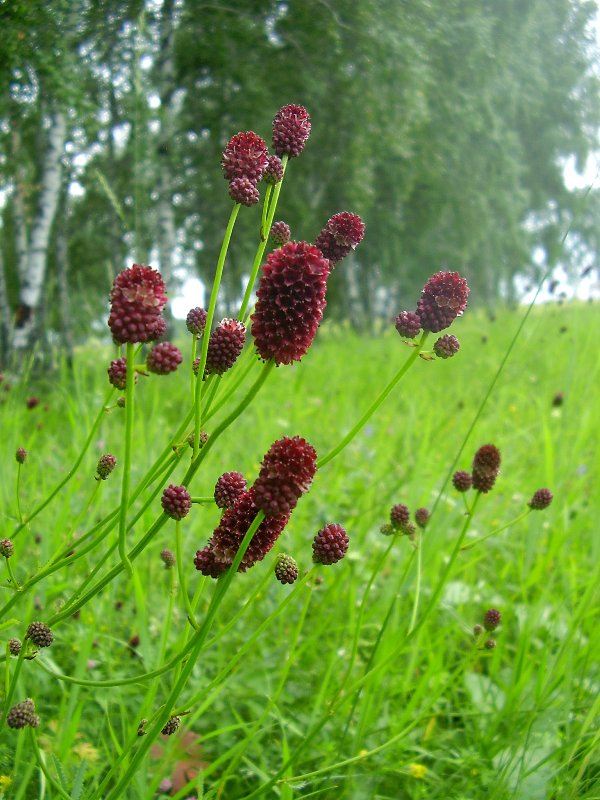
(229, 363)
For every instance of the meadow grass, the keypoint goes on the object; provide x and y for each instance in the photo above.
(362, 680)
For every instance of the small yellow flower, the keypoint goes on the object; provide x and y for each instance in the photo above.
(417, 770)
(5, 782)
(87, 752)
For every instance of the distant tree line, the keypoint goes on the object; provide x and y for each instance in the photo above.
(444, 123)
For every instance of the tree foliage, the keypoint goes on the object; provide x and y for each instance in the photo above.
(444, 123)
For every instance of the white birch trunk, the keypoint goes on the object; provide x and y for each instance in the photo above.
(165, 214)
(20, 216)
(5, 316)
(32, 282)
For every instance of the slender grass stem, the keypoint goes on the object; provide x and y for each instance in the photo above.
(39, 757)
(18, 494)
(209, 320)
(264, 235)
(129, 395)
(61, 484)
(375, 404)
(182, 580)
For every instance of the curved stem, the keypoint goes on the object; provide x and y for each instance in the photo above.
(209, 319)
(12, 576)
(198, 640)
(129, 394)
(375, 405)
(265, 228)
(18, 494)
(71, 472)
(181, 574)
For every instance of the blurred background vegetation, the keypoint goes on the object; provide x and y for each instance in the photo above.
(446, 124)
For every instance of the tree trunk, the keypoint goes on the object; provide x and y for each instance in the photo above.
(62, 272)
(166, 78)
(5, 317)
(32, 282)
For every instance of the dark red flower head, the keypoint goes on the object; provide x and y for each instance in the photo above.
(291, 129)
(330, 544)
(176, 502)
(286, 473)
(443, 299)
(408, 324)
(492, 618)
(163, 358)
(245, 157)
(228, 488)
(244, 191)
(422, 517)
(21, 455)
(280, 233)
(223, 545)
(137, 300)
(486, 466)
(541, 499)
(342, 234)
(290, 302)
(462, 481)
(274, 171)
(117, 373)
(196, 320)
(224, 346)
(106, 465)
(399, 515)
(446, 346)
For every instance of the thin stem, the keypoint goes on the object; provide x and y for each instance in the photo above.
(18, 493)
(203, 500)
(265, 228)
(375, 405)
(192, 376)
(39, 757)
(199, 638)
(129, 394)
(71, 472)
(496, 531)
(181, 574)
(13, 683)
(413, 618)
(12, 576)
(209, 320)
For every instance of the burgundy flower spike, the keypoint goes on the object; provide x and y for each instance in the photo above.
(291, 129)
(286, 473)
(137, 300)
(291, 301)
(342, 234)
(443, 299)
(246, 156)
(223, 545)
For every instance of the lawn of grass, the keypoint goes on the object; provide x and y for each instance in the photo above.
(363, 680)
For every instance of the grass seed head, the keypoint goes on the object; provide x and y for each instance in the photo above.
(21, 455)
(286, 569)
(106, 465)
(7, 548)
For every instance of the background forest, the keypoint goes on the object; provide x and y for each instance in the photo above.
(446, 124)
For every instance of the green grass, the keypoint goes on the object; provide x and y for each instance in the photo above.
(322, 684)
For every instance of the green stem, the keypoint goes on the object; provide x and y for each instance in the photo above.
(13, 683)
(162, 519)
(12, 576)
(192, 376)
(71, 472)
(198, 640)
(18, 493)
(264, 231)
(201, 500)
(129, 394)
(496, 531)
(181, 574)
(375, 405)
(39, 757)
(415, 609)
(209, 320)
(265, 228)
